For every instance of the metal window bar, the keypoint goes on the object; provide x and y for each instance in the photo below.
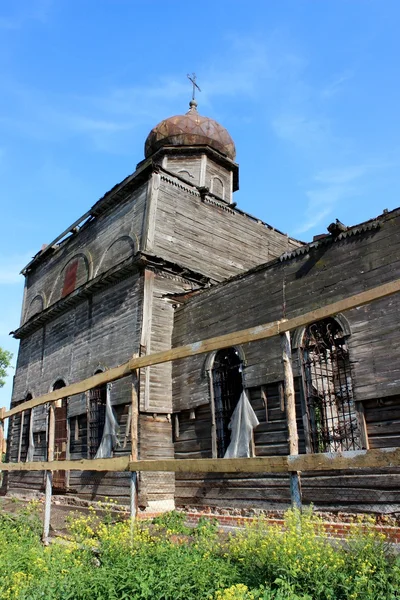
(332, 416)
(97, 418)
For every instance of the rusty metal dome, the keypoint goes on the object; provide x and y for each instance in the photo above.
(190, 129)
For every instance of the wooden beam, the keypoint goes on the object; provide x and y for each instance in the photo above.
(293, 437)
(52, 430)
(134, 424)
(290, 404)
(2, 414)
(264, 398)
(362, 425)
(244, 336)
(21, 433)
(118, 464)
(214, 444)
(49, 474)
(360, 459)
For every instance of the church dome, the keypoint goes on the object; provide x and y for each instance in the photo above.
(190, 129)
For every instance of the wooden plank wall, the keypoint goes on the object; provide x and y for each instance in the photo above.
(349, 490)
(382, 416)
(210, 238)
(156, 381)
(215, 170)
(288, 288)
(243, 490)
(94, 485)
(188, 167)
(155, 441)
(101, 332)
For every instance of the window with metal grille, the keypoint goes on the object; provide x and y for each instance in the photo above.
(97, 418)
(331, 414)
(228, 386)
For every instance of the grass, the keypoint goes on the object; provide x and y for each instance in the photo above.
(166, 560)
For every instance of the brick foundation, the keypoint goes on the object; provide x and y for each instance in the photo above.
(334, 530)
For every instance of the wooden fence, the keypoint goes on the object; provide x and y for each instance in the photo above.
(292, 464)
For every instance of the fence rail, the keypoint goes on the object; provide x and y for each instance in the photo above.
(292, 465)
(330, 461)
(253, 334)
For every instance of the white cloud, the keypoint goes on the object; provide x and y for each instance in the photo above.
(321, 202)
(107, 116)
(341, 175)
(334, 186)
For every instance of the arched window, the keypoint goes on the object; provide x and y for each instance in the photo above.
(227, 388)
(328, 393)
(217, 187)
(97, 416)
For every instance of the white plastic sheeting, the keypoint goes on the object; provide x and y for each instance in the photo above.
(31, 447)
(242, 423)
(109, 440)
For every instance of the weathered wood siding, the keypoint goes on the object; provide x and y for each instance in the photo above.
(208, 236)
(215, 176)
(100, 332)
(188, 167)
(156, 381)
(360, 490)
(234, 490)
(290, 287)
(111, 237)
(156, 489)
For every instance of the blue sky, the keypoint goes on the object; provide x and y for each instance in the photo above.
(308, 89)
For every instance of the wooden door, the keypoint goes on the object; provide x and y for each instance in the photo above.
(60, 445)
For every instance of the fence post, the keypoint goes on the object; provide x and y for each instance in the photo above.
(293, 439)
(2, 412)
(49, 476)
(134, 441)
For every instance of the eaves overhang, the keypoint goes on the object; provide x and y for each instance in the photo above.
(330, 239)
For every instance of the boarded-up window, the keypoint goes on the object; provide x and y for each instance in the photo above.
(70, 278)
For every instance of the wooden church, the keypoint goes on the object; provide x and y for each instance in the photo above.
(166, 258)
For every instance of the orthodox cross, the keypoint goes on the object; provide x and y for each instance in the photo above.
(192, 78)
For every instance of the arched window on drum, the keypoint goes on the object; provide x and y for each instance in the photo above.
(331, 416)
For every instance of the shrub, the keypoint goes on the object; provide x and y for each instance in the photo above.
(125, 560)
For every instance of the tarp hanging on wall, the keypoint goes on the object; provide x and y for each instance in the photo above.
(109, 440)
(242, 423)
